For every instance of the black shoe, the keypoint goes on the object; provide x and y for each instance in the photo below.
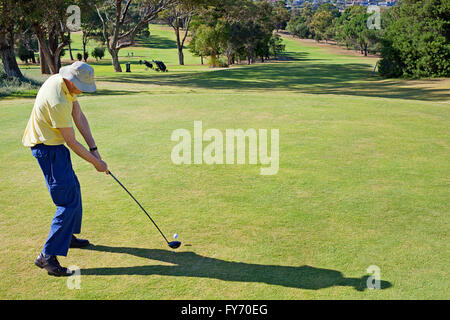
(52, 266)
(78, 243)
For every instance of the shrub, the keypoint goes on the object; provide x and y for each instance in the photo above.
(298, 27)
(98, 53)
(416, 42)
(17, 86)
(276, 45)
(222, 62)
(24, 54)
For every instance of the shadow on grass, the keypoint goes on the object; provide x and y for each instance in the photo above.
(190, 264)
(156, 42)
(295, 56)
(20, 94)
(313, 78)
(108, 92)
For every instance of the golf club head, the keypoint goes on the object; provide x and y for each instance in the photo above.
(174, 244)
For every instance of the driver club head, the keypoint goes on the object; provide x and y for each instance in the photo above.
(174, 244)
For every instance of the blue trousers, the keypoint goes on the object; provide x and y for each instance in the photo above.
(64, 188)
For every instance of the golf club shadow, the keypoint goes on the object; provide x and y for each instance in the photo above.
(190, 264)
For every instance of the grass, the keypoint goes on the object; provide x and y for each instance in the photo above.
(27, 87)
(363, 181)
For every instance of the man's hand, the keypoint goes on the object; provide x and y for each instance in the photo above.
(101, 166)
(69, 137)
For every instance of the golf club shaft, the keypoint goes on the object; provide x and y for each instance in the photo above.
(138, 205)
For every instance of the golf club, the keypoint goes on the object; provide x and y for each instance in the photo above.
(172, 244)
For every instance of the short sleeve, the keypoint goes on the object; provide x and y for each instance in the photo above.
(61, 115)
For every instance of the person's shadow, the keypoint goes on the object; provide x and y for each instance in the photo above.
(190, 264)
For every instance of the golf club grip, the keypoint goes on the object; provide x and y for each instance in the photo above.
(109, 172)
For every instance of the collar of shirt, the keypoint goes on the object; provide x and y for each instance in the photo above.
(71, 97)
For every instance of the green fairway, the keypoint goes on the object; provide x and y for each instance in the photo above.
(363, 180)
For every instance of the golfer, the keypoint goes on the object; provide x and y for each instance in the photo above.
(49, 127)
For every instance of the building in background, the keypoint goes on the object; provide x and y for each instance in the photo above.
(340, 4)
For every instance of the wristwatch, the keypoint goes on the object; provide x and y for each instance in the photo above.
(93, 149)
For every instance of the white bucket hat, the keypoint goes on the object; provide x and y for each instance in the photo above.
(81, 74)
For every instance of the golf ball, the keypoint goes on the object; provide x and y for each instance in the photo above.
(175, 236)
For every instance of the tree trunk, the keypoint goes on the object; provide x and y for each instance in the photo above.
(213, 61)
(43, 62)
(83, 40)
(70, 47)
(53, 45)
(9, 61)
(179, 45)
(181, 56)
(115, 60)
(46, 56)
(250, 55)
(8, 56)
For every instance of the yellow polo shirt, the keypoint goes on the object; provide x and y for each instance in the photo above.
(52, 109)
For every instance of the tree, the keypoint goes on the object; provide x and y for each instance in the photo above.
(26, 39)
(329, 7)
(356, 32)
(254, 44)
(351, 29)
(298, 27)
(9, 16)
(98, 53)
(276, 45)
(300, 23)
(210, 41)
(48, 21)
(321, 22)
(122, 20)
(70, 45)
(179, 18)
(281, 15)
(265, 23)
(210, 31)
(24, 53)
(342, 32)
(239, 29)
(416, 42)
(91, 25)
